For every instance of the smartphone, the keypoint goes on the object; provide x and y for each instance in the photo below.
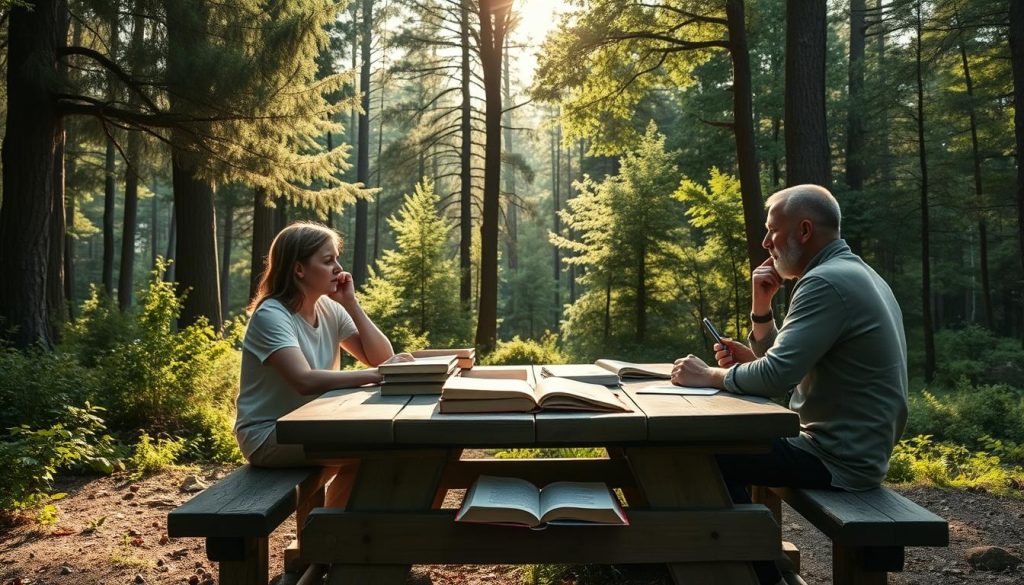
(714, 333)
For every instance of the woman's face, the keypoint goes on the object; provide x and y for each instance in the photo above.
(318, 275)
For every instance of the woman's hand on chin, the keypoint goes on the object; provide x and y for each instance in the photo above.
(345, 292)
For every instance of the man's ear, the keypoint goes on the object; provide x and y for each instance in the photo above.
(806, 230)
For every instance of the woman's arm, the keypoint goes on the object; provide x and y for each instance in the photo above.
(291, 365)
(368, 345)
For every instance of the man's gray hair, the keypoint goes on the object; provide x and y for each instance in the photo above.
(813, 202)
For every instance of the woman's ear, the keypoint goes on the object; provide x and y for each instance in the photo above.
(299, 270)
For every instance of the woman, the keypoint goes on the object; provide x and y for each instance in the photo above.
(304, 309)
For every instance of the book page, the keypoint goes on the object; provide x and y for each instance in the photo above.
(584, 501)
(473, 388)
(491, 495)
(565, 393)
(631, 370)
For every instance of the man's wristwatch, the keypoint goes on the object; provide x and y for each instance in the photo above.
(767, 318)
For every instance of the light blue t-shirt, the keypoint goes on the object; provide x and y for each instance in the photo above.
(264, 396)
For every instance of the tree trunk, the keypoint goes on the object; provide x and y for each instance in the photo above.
(32, 131)
(108, 218)
(465, 174)
(196, 250)
(979, 193)
(511, 205)
(1017, 61)
(493, 24)
(225, 260)
(154, 230)
(172, 242)
(855, 130)
(556, 204)
(378, 199)
(126, 274)
(109, 162)
(262, 236)
(69, 242)
(807, 150)
(926, 266)
(743, 128)
(58, 234)
(363, 161)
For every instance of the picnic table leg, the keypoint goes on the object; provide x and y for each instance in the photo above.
(634, 497)
(684, 479)
(394, 482)
(313, 494)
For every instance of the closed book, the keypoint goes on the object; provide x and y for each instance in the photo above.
(411, 388)
(426, 365)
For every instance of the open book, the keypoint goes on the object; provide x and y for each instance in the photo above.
(630, 370)
(517, 502)
(472, 394)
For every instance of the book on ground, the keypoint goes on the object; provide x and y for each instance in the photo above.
(470, 394)
(517, 502)
(588, 373)
(631, 370)
(426, 365)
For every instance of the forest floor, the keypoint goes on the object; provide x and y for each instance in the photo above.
(112, 531)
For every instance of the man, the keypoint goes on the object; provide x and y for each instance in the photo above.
(841, 350)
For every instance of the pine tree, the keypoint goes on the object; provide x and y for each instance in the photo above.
(414, 292)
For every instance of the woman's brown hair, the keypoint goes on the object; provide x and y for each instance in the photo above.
(295, 243)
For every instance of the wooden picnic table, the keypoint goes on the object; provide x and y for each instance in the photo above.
(661, 456)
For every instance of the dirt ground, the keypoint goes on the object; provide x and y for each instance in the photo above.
(112, 531)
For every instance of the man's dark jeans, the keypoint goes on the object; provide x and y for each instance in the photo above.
(784, 466)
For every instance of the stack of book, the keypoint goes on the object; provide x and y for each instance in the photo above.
(466, 356)
(424, 375)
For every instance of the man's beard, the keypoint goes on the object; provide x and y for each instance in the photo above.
(788, 259)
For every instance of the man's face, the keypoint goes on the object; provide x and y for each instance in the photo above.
(783, 244)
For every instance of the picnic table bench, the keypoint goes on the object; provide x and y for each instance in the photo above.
(869, 530)
(237, 514)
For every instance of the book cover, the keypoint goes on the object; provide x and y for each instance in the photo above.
(512, 501)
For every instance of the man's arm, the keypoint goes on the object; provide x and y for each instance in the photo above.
(815, 321)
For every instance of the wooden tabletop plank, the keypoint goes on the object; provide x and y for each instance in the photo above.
(421, 423)
(361, 416)
(556, 427)
(723, 417)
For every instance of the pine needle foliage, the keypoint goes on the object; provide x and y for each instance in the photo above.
(414, 292)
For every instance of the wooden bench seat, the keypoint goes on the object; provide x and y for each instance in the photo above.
(869, 530)
(237, 514)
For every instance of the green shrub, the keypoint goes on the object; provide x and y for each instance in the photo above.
(99, 328)
(970, 416)
(31, 457)
(150, 456)
(36, 385)
(170, 382)
(978, 355)
(525, 352)
(950, 465)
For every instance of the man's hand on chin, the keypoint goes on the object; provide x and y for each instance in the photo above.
(692, 371)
